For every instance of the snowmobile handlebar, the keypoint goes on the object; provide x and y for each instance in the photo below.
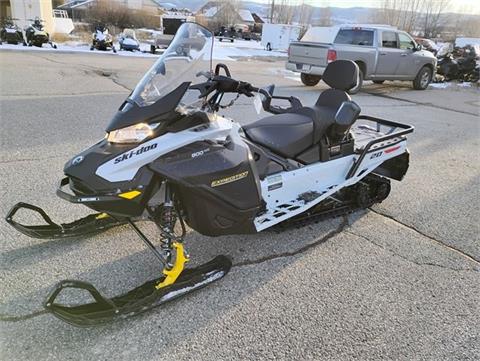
(226, 84)
(268, 96)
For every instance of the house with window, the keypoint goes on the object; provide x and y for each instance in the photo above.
(216, 14)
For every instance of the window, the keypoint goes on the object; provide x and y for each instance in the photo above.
(406, 42)
(389, 39)
(355, 37)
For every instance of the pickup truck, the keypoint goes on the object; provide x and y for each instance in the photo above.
(381, 53)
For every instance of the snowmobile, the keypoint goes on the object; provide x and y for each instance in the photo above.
(170, 158)
(458, 64)
(37, 36)
(128, 41)
(447, 66)
(102, 40)
(11, 33)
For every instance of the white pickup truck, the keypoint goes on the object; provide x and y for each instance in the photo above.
(381, 52)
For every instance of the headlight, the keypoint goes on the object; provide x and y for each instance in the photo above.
(132, 134)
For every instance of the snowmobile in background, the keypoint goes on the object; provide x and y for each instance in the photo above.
(447, 66)
(37, 36)
(467, 65)
(226, 34)
(458, 63)
(169, 158)
(10, 33)
(128, 41)
(102, 40)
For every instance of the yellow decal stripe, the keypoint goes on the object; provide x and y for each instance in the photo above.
(101, 216)
(130, 195)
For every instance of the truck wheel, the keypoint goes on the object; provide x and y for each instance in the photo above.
(423, 78)
(310, 80)
(378, 81)
(359, 84)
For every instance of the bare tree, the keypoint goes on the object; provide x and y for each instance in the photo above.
(413, 15)
(325, 17)
(281, 11)
(433, 9)
(305, 13)
(115, 14)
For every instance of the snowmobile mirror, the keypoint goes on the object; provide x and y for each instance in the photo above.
(266, 94)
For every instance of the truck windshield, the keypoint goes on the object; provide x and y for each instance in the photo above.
(355, 37)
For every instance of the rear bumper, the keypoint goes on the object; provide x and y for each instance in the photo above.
(305, 68)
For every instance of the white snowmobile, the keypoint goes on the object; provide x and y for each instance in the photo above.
(168, 157)
(10, 33)
(36, 34)
(102, 40)
(128, 40)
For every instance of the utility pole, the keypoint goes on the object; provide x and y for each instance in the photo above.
(271, 11)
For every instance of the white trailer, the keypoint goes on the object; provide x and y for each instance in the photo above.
(279, 36)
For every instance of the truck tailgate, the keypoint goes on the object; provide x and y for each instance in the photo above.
(308, 53)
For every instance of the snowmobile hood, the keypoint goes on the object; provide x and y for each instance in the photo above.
(165, 86)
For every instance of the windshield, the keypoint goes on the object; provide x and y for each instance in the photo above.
(189, 53)
(129, 33)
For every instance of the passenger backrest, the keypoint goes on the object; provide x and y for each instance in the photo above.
(341, 75)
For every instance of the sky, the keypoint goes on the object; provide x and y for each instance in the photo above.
(463, 6)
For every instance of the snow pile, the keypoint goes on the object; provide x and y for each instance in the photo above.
(450, 84)
(225, 51)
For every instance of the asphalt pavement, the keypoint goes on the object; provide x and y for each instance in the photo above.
(398, 281)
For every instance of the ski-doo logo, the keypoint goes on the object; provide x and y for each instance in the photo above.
(132, 153)
(77, 160)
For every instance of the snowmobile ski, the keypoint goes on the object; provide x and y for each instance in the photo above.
(86, 226)
(136, 301)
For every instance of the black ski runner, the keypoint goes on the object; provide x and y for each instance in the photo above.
(136, 301)
(86, 226)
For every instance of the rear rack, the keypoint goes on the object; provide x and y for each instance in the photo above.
(393, 133)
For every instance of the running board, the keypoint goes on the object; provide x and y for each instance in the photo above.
(86, 226)
(136, 301)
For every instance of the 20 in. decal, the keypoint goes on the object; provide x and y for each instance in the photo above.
(376, 155)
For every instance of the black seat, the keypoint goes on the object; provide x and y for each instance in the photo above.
(289, 134)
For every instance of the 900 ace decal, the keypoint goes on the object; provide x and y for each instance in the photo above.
(132, 153)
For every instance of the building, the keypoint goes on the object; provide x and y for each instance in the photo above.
(27, 10)
(215, 14)
(144, 5)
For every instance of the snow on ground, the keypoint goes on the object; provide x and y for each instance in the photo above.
(450, 84)
(287, 74)
(221, 51)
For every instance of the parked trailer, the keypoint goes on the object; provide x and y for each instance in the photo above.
(279, 36)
